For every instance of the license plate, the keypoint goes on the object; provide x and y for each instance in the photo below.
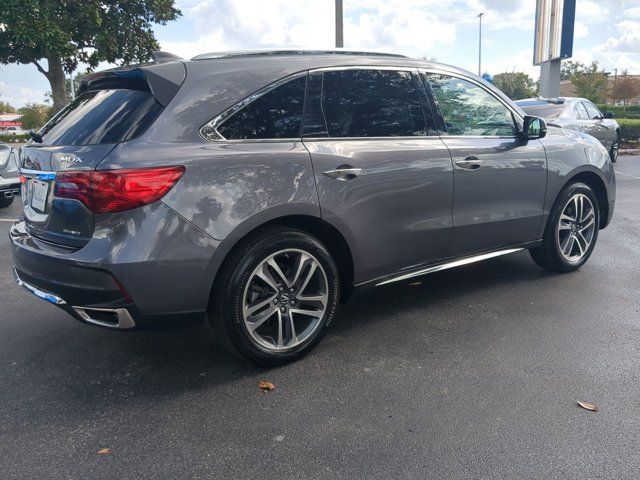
(39, 191)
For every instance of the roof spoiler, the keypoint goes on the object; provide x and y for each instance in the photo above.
(556, 100)
(162, 57)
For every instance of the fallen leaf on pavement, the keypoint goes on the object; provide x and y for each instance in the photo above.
(104, 451)
(266, 386)
(415, 284)
(588, 406)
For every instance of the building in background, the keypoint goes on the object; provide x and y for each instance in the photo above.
(568, 90)
(10, 120)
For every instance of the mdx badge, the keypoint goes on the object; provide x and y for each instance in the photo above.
(67, 158)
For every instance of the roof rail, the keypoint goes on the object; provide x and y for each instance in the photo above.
(273, 52)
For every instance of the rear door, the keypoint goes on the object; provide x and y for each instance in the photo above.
(382, 173)
(500, 180)
(601, 128)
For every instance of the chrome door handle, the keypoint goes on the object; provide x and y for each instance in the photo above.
(343, 173)
(470, 163)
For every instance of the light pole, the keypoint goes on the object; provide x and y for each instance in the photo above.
(480, 43)
(339, 35)
(73, 87)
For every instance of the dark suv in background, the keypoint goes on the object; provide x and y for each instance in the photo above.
(258, 189)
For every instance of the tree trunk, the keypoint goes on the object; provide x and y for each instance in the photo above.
(56, 78)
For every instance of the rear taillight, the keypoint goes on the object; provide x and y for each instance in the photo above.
(108, 191)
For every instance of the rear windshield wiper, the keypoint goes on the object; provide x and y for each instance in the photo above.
(35, 137)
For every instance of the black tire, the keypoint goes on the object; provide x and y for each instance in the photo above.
(548, 255)
(226, 308)
(5, 202)
(613, 152)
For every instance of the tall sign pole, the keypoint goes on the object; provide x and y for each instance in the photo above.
(553, 41)
(480, 44)
(339, 34)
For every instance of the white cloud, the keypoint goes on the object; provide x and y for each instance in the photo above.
(591, 11)
(18, 96)
(580, 30)
(413, 27)
(623, 50)
(521, 61)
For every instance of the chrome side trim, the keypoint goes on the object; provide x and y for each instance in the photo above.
(448, 265)
(39, 174)
(49, 297)
(125, 321)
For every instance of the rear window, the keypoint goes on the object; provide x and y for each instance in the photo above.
(544, 110)
(102, 116)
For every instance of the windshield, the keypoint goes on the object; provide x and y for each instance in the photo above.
(102, 116)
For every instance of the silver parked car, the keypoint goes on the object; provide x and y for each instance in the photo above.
(9, 179)
(259, 189)
(577, 114)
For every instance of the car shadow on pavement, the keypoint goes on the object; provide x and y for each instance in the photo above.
(81, 365)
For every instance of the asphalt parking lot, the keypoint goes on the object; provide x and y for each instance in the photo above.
(475, 373)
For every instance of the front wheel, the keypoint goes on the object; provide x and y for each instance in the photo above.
(571, 232)
(276, 297)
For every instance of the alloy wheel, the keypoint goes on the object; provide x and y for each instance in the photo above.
(285, 299)
(576, 228)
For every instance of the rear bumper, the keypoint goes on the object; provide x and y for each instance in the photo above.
(143, 279)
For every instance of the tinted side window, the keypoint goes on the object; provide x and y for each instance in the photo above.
(276, 114)
(469, 109)
(580, 111)
(593, 112)
(364, 103)
(102, 116)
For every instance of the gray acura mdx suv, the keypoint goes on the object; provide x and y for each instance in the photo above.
(258, 189)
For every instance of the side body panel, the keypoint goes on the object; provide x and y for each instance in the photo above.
(398, 210)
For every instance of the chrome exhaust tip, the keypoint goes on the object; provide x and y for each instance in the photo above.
(117, 318)
(11, 193)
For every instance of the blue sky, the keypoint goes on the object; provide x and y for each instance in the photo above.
(606, 30)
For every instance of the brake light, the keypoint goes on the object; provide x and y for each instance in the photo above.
(109, 191)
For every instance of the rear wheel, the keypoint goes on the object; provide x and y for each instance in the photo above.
(276, 297)
(571, 232)
(613, 152)
(5, 202)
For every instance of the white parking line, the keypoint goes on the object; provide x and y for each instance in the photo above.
(7, 220)
(627, 175)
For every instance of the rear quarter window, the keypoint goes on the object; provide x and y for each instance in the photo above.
(102, 116)
(276, 114)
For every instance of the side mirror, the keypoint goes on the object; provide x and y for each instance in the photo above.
(533, 128)
(607, 114)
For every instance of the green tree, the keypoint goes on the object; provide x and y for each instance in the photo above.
(34, 115)
(625, 88)
(65, 33)
(6, 108)
(589, 80)
(77, 78)
(515, 85)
